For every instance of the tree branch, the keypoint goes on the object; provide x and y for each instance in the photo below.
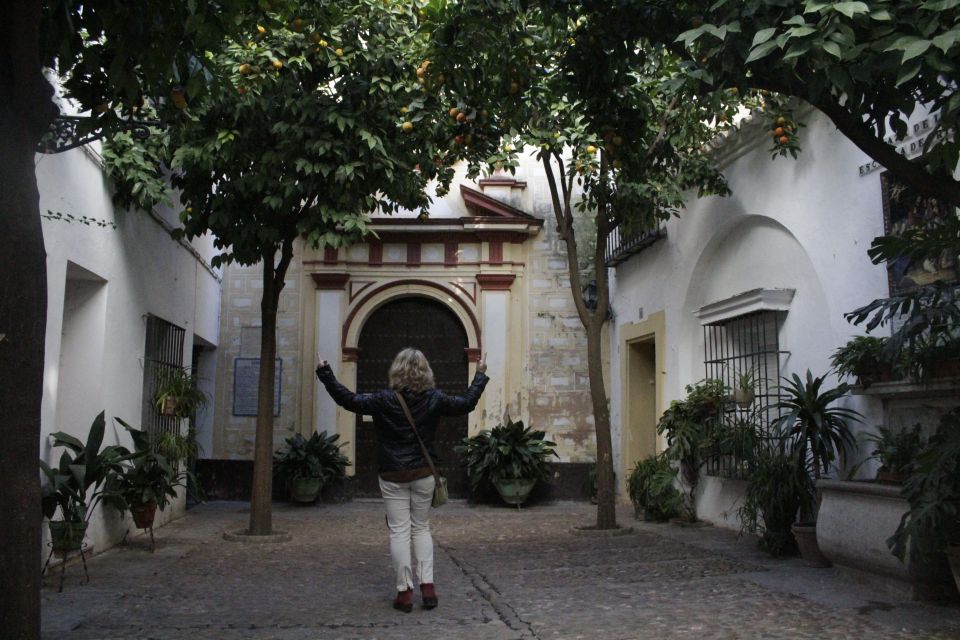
(943, 186)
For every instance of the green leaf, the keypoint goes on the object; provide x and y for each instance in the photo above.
(851, 9)
(795, 21)
(908, 72)
(945, 41)
(940, 5)
(813, 6)
(797, 50)
(833, 49)
(689, 37)
(881, 15)
(763, 35)
(799, 32)
(760, 52)
(915, 49)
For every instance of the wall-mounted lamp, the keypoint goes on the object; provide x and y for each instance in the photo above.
(590, 295)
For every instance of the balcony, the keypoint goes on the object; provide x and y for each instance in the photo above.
(621, 247)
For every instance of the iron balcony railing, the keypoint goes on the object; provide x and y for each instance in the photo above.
(621, 246)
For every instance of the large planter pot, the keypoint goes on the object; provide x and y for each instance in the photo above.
(877, 373)
(514, 491)
(805, 534)
(67, 536)
(854, 523)
(305, 489)
(949, 368)
(144, 514)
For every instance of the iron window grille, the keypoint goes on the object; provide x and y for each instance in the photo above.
(163, 353)
(745, 344)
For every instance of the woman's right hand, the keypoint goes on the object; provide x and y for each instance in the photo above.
(482, 365)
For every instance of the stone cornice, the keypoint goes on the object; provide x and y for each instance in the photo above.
(330, 281)
(495, 281)
(745, 303)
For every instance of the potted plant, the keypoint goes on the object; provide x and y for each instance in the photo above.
(778, 485)
(73, 487)
(686, 424)
(864, 358)
(651, 489)
(147, 482)
(818, 432)
(744, 394)
(510, 456)
(177, 393)
(306, 464)
(932, 525)
(896, 450)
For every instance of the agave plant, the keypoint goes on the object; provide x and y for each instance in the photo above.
(818, 430)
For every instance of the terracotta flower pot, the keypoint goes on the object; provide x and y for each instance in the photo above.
(744, 397)
(144, 514)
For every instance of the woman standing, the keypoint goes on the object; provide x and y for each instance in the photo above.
(406, 481)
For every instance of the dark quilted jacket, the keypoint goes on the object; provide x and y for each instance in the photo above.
(399, 448)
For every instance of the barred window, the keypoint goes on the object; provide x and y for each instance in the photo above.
(744, 353)
(163, 353)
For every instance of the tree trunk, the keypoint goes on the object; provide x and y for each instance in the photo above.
(25, 113)
(261, 507)
(606, 491)
(592, 321)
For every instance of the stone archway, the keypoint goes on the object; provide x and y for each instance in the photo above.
(428, 325)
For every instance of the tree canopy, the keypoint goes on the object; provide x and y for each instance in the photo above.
(621, 143)
(867, 65)
(312, 119)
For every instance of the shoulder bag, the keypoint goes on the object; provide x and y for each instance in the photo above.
(440, 488)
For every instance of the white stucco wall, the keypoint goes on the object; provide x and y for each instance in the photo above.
(102, 284)
(800, 224)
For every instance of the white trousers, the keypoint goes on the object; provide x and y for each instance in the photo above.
(408, 518)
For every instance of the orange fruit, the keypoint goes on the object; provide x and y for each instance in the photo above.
(245, 69)
(276, 64)
(461, 117)
(784, 139)
(454, 112)
(407, 126)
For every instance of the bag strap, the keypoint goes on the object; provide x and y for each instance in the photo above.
(423, 447)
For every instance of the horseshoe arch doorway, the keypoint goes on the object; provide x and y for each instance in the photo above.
(431, 327)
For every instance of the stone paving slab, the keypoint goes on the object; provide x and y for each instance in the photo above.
(501, 574)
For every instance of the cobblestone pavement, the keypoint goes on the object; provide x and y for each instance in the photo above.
(500, 573)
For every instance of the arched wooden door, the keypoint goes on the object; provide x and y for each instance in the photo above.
(431, 327)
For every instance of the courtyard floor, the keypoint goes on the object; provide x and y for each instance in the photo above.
(500, 574)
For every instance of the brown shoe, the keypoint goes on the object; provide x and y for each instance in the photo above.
(429, 595)
(404, 601)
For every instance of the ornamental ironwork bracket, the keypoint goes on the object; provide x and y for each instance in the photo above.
(65, 132)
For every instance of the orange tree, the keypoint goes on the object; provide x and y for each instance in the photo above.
(316, 120)
(114, 53)
(619, 131)
(867, 65)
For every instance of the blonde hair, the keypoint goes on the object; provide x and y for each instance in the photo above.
(410, 370)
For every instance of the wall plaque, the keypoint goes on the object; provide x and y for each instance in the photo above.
(246, 377)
